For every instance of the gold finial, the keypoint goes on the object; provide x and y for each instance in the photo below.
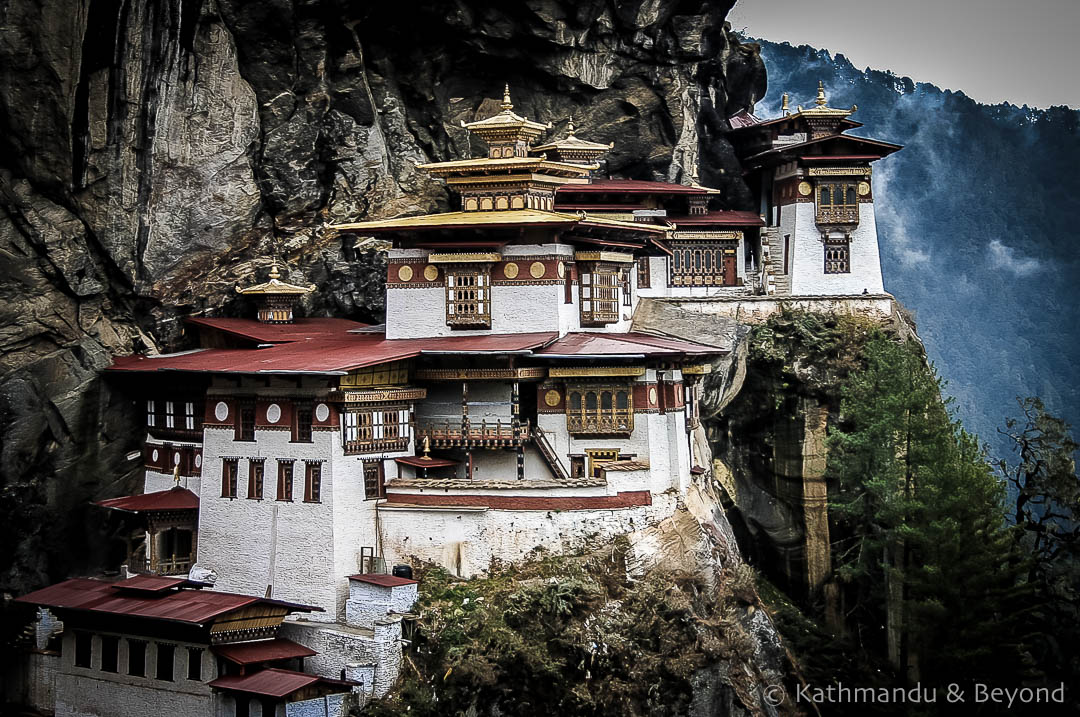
(507, 105)
(820, 101)
(784, 104)
(427, 448)
(274, 273)
(176, 475)
(570, 127)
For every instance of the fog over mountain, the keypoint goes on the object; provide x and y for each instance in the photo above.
(975, 231)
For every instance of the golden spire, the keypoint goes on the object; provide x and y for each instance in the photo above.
(784, 104)
(820, 101)
(274, 273)
(570, 127)
(507, 105)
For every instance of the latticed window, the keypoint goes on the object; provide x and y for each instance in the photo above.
(302, 423)
(600, 295)
(229, 469)
(600, 409)
(284, 480)
(245, 421)
(255, 479)
(313, 482)
(703, 264)
(374, 430)
(837, 257)
(468, 298)
(837, 203)
(373, 480)
(644, 280)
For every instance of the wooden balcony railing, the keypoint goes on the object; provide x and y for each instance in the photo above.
(375, 445)
(838, 215)
(617, 422)
(454, 434)
(173, 565)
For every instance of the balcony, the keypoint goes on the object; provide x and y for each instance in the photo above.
(364, 445)
(475, 435)
(172, 565)
(618, 423)
(838, 215)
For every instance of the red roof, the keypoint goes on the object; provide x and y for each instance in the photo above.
(628, 186)
(189, 606)
(386, 581)
(249, 653)
(886, 148)
(723, 217)
(299, 330)
(150, 583)
(421, 462)
(271, 682)
(173, 499)
(333, 354)
(743, 119)
(625, 345)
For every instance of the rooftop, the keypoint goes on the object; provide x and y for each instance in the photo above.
(249, 653)
(275, 286)
(271, 682)
(386, 581)
(722, 216)
(298, 330)
(173, 499)
(150, 599)
(628, 345)
(632, 186)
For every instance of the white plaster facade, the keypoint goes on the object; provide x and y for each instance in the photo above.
(808, 277)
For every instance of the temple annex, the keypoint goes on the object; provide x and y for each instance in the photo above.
(513, 401)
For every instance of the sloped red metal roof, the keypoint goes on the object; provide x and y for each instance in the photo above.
(299, 330)
(271, 682)
(629, 186)
(386, 581)
(421, 462)
(723, 216)
(332, 355)
(173, 499)
(149, 583)
(190, 606)
(248, 653)
(628, 344)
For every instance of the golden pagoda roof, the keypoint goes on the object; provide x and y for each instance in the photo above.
(506, 120)
(573, 142)
(821, 106)
(511, 217)
(488, 165)
(274, 286)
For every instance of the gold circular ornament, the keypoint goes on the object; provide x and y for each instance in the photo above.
(552, 398)
(562, 270)
(805, 189)
(404, 273)
(510, 271)
(536, 270)
(431, 272)
(652, 395)
(864, 188)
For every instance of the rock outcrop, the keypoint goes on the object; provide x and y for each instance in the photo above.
(156, 153)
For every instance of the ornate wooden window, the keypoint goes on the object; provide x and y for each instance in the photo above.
(577, 466)
(468, 297)
(374, 430)
(302, 423)
(837, 203)
(627, 286)
(644, 280)
(170, 414)
(245, 421)
(313, 482)
(595, 409)
(600, 295)
(284, 480)
(374, 480)
(174, 418)
(255, 478)
(703, 264)
(599, 456)
(229, 471)
(837, 256)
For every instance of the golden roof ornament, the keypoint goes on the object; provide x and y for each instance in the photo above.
(275, 285)
(784, 104)
(507, 105)
(820, 101)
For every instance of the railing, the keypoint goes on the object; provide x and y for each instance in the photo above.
(451, 434)
(376, 445)
(176, 565)
(549, 454)
(615, 422)
(838, 215)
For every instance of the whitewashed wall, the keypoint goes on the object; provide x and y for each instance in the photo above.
(808, 277)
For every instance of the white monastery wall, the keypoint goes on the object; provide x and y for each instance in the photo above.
(369, 603)
(808, 275)
(340, 646)
(754, 309)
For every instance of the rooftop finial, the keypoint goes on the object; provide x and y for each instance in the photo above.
(784, 104)
(507, 105)
(570, 127)
(820, 101)
(274, 273)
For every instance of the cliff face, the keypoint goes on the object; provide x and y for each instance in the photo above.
(156, 153)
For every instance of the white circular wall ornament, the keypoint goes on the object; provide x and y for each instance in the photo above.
(154, 455)
(273, 413)
(198, 460)
(562, 270)
(322, 412)
(652, 395)
(221, 411)
(176, 458)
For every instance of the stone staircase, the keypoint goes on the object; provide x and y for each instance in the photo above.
(777, 281)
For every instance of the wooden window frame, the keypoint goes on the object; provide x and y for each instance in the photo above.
(468, 306)
(577, 466)
(313, 481)
(303, 422)
(379, 490)
(285, 478)
(831, 211)
(627, 282)
(837, 255)
(245, 429)
(600, 419)
(702, 263)
(230, 473)
(256, 478)
(367, 429)
(598, 289)
(644, 273)
(599, 456)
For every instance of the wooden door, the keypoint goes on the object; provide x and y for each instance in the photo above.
(729, 268)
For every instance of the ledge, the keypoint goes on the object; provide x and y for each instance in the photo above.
(464, 483)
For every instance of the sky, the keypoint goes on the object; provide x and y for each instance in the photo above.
(1018, 51)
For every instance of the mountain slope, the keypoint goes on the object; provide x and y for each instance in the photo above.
(975, 228)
